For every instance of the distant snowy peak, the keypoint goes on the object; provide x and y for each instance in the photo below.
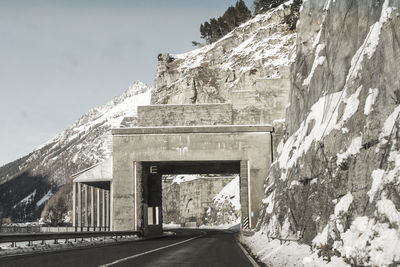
(88, 140)
(111, 113)
(135, 89)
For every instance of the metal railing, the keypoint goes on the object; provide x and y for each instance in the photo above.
(20, 229)
(50, 229)
(30, 237)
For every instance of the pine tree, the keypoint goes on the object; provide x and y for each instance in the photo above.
(261, 6)
(224, 28)
(205, 31)
(215, 34)
(243, 14)
(230, 18)
(218, 27)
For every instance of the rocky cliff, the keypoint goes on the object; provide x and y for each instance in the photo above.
(27, 184)
(204, 199)
(249, 67)
(336, 185)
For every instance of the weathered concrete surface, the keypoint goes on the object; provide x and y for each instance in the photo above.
(135, 148)
(185, 115)
(195, 129)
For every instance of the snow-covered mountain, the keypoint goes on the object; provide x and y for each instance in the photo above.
(85, 143)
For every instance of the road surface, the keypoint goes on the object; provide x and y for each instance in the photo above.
(184, 248)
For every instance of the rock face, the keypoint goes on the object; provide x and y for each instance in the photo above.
(225, 207)
(248, 68)
(336, 182)
(186, 198)
(87, 142)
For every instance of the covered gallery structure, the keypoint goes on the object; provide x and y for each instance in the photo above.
(91, 195)
(171, 139)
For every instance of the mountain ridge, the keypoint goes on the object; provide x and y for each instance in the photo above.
(85, 143)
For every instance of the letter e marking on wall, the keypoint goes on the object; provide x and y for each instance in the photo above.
(153, 169)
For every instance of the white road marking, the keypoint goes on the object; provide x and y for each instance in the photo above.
(147, 252)
(253, 262)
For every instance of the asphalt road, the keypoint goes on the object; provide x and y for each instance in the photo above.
(185, 248)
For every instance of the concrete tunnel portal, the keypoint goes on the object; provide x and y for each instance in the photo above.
(152, 173)
(174, 139)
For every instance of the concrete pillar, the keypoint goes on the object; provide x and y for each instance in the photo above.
(107, 210)
(86, 207)
(80, 206)
(103, 214)
(244, 195)
(92, 207)
(98, 208)
(111, 206)
(74, 205)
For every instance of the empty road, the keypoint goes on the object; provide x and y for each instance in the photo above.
(185, 248)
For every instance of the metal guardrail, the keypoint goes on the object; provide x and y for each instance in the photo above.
(29, 237)
(51, 229)
(20, 229)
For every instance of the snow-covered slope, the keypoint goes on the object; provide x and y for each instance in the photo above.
(225, 207)
(248, 67)
(85, 143)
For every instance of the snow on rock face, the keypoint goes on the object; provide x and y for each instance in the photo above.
(248, 67)
(353, 149)
(87, 142)
(343, 205)
(44, 198)
(343, 133)
(225, 206)
(230, 193)
(372, 94)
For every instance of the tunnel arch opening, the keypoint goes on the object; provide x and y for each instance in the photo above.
(152, 198)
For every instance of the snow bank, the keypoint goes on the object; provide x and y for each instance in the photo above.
(274, 252)
(370, 243)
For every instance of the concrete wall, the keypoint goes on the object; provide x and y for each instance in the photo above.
(185, 115)
(199, 146)
(262, 104)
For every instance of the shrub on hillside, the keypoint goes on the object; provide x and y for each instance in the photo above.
(216, 28)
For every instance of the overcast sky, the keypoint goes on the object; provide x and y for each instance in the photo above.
(60, 58)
